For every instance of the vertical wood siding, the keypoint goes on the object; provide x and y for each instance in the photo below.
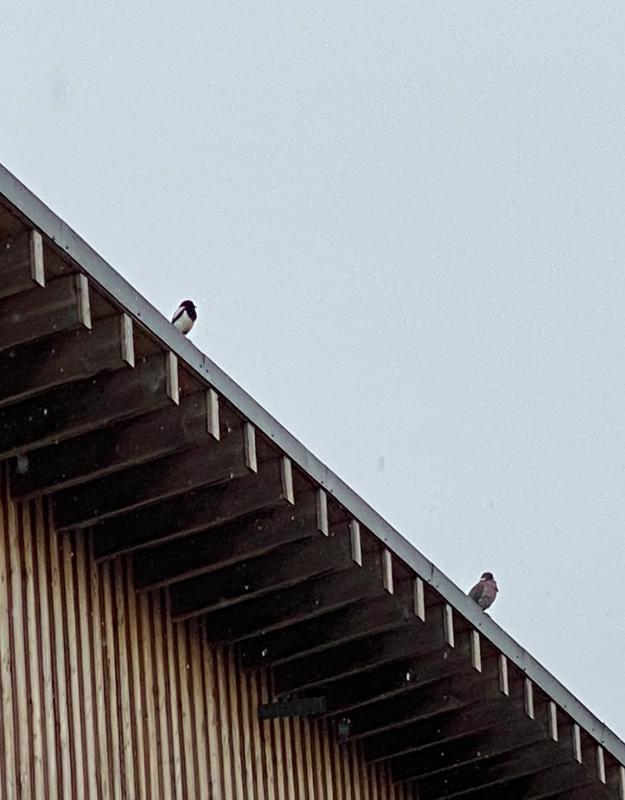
(103, 697)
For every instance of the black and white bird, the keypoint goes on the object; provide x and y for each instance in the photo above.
(184, 317)
(485, 591)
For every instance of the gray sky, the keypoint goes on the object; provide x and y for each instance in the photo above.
(403, 224)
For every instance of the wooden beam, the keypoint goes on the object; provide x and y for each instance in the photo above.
(475, 749)
(419, 598)
(166, 521)
(294, 563)
(476, 651)
(412, 766)
(103, 452)
(136, 487)
(392, 679)
(482, 715)
(275, 525)
(355, 542)
(21, 264)
(37, 367)
(559, 788)
(358, 656)
(552, 712)
(322, 512)
(583, 788)
(577, 743)
(249, 432)
(420, 704)
(528, 696)
(82, 407)
(312, 636)
(303, 601)
(37, 313)
(387, 571)
(212, 414)
(468, 778)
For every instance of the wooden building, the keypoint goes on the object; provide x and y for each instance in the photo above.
(193, 606)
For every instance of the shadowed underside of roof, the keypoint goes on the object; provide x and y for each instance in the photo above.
(137, 435)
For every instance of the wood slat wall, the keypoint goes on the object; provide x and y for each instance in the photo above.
(103, 697)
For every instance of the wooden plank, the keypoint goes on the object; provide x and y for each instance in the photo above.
(46, 645)
(419, 599)
(159, 669)
(109, 665)
(358, 656)
(223, 546)
(72, 677)
(289, 605)
(203, 510)
(312, 636)
(154, 754)
(322, 513)
(565, 781)
(286, 474)
(85, 624)
(21, 264)
(356, 546)
(38, 751)
(38, 313)
(126, 333)
(81, 407)
(475, 749)
(420, 704)
(196, 686)
(240, 765)
(293, 563)
(18, 650)
(37, 367)
(186, 718)
(103, 452)
(448, 624)
(241, 683)
(387, 571)
(94, 615)
(60, 683)
(172, 387)
(468, 778)
(504, 685)
(391, 679)
(9, 761)
(577, 742)
(428, 760)
(481, 716)
(124, 687)
(528, 695)
(249, 432)
(600, 764)
(476, 651)
(172, 694)
(553, 720)
(136, 487)
(212, 413)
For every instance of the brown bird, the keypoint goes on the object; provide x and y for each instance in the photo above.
(485, 591)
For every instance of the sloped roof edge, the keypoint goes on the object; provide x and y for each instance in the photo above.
(68, 241)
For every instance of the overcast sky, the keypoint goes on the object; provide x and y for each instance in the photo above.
(404, 226)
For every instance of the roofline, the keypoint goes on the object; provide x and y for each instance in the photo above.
(42, 218)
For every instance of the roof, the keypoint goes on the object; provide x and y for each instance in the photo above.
(138, 435)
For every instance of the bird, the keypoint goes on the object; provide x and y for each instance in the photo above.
(184, 317)
(485, 591)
